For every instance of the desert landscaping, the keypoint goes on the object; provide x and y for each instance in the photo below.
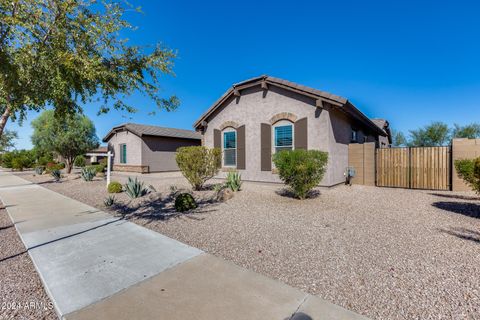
(382, 252)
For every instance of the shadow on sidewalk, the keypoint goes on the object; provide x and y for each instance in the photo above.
(61, 238)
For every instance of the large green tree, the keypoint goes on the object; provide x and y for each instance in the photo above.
(6, 140)
(64, 53)
(434, 134)
(470, 131)
(69, 137)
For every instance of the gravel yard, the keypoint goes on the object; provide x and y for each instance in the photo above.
(21, 291)
(384, 253)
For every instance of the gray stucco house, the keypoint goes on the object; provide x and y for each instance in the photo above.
(260, 116)
(142, 148)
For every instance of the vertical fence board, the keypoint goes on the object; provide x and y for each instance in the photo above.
(416, 168)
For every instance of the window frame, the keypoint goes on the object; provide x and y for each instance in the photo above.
(282, 123)
(354, 135)
(224, 131)
(123, 153)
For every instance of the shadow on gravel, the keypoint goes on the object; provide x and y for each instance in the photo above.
(463, 233)
(161, 208)
(287, 193)
(455, 196)
(464, 208)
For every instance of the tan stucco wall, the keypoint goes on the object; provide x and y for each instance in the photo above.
(134, 147)
(328, 130)
(159, 152)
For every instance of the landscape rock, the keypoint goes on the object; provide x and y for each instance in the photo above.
(224, 195)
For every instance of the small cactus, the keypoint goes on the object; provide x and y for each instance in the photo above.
(56, 174)
(88, 173)
(109, 201)
(135, 188)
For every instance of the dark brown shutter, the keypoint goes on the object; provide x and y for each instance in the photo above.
(241, 148)
(266, 147)
(217, 138)
(301, 134)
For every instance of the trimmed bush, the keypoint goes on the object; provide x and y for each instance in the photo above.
(469, 171)
(135, 188)
(234, 181)
(18, 159)
(80, 161)
(185, 202)
(114, 187)
(198, 164)
(98, 168)
(301, 170)
(88, 173)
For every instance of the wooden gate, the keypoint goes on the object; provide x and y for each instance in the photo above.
(416, 168)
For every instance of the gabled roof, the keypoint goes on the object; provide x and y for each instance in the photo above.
(320, 97)
(145, 130)
(385, 126)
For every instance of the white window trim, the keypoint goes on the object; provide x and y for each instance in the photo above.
(229, 129)
(282, 123)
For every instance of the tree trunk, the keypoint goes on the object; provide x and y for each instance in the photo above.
(68, 165)
(4, 119)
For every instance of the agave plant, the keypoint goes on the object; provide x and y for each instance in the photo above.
(135, 188)
(88, 173)
(56, 174)
(39, 170)
(234, 181)
(109, 201)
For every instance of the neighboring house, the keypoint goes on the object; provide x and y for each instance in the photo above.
(142, 148)
(96, 155)
(384, 141)
(260, 116)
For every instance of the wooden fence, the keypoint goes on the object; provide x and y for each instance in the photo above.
(416, 168)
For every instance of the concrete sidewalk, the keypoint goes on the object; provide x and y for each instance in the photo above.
(95, 266)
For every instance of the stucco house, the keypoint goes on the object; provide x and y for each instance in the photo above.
(258, 117)
(142, 148)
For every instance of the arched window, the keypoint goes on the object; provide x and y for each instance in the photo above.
(283, 136)
(229, 147)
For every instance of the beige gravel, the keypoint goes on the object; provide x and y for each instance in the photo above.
(21, 292)
(384, 253)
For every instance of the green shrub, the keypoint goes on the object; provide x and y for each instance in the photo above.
(18, 159)
(88, 173)
(7, 158)
(301, 170)
(469, 171)
(114, 187)
(135, 188)
(54, 166)
(98, 168)
(198, 164)
(43, 160)
(39, 170)
(184, 202)
(80, 161)
(109, 201)
(56, 174)
(234, 181)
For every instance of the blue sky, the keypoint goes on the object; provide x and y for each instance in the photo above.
(411, 62)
